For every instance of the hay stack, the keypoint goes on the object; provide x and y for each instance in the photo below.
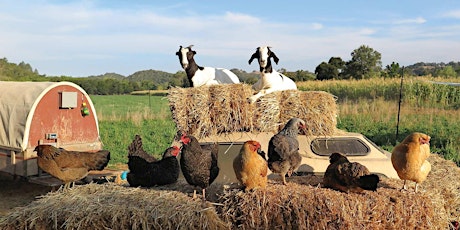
(111, 206)
(302, 204)
(211, 110)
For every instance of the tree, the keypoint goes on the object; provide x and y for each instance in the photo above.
(365, 63)
(324, 71)
(330, 70)
(447, 71)
(392, 70)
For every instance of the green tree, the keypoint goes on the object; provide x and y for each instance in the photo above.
(330, 70)
(392, 70)
(365, 63)
(447, 71)
(325, 71)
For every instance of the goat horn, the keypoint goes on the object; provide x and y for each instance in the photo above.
(190, 46)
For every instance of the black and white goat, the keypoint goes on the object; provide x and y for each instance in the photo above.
(199, 76)
(270, 80)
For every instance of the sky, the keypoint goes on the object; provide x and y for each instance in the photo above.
(93, 37)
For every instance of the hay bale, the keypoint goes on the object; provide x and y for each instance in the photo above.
(302, 206)
(111, 206)
(216, 109)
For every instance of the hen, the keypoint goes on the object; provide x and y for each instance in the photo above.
(347, 176)
(198, 162)
(250, 167)
(283, 149)
(409, 158)
(145, 171)
(70, 166)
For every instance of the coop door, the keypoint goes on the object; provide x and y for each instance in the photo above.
(68, 100)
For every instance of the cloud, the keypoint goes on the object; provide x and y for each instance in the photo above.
(452, 14)
(417, 20)
(317, 26)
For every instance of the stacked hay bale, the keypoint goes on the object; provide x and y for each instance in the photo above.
(302, 204)
(216, 109)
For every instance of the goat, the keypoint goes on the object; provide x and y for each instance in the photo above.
(199, 76)
(270, 80)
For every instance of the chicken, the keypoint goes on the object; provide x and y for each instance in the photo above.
(145, 171)
(70, 166)
(250, 167)
(198, 162)
(347, 176)
(136, 147)
(283, 149)
(409, 158)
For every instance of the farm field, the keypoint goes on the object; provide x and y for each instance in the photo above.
(369, 107)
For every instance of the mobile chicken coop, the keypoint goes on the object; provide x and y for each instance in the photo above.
(222, 114)
(32, 113)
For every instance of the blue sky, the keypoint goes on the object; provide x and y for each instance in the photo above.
(82, 38)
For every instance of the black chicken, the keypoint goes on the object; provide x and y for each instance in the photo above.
(347, 176)
(198, 162)
(145, 171)
(283, 149)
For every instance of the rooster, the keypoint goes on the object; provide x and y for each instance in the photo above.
(283, 149)
(146, 171)
(70, 166)
(198, 162)
(347, 176)
(250, 167)
(409, 158)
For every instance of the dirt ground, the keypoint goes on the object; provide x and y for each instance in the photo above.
(17, 192)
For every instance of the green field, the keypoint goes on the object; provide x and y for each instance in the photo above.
(369, 107)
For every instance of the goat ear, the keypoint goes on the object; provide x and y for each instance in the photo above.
(275, 58)
(177, 53)
(254, 55)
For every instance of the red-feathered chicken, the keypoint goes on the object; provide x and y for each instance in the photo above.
(283, 149)
(250, 167)
(347, 176)
(198, 162)
(409, 158)
(70, 166)
(147, 173)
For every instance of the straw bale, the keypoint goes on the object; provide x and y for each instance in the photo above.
(111, 206)
(302, 204)
(216, 109)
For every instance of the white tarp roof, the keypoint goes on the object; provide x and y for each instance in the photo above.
(17, 101)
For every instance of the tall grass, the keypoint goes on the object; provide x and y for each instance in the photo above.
(417, 91)
(121, 117)
(369, 107)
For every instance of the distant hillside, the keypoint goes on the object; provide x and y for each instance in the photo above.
(113, 83)
(109, 76)
(17, 72)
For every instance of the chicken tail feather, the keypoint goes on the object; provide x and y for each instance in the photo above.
(369, 182)
(100, 161)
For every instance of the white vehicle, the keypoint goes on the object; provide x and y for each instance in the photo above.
(315, 152)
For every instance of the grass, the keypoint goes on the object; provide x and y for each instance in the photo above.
(121, 117)
(369, 107)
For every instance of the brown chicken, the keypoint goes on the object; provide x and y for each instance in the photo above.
(250, 167)
(283, 149)
(198, 162)
(347, 176)
(409, 158)
(70, 166)
(145, 171)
